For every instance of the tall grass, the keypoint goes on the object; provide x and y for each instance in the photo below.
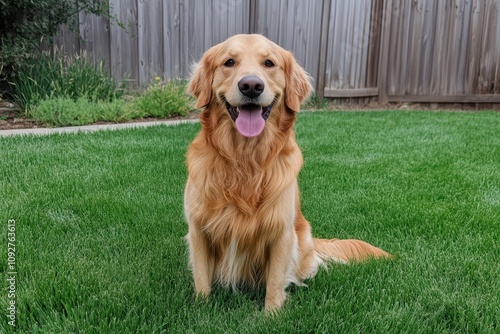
(55, 75)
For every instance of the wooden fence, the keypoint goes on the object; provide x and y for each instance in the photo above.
(385, 50)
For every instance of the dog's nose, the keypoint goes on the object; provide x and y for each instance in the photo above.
(251, 86)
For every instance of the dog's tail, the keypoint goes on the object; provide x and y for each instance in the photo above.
(347, 250)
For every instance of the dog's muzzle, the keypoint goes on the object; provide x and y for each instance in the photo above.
(250, 118)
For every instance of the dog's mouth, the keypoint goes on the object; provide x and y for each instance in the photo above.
(249, 118)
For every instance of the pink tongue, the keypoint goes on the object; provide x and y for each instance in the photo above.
(250, 122)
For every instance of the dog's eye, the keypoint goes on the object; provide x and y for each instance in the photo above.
(230, 63)
(268, 63)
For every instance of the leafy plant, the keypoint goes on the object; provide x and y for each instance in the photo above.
(164, 100)
(64, 111)
(117, 111)
(57, 75)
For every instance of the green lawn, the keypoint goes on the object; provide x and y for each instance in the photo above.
(99, 230)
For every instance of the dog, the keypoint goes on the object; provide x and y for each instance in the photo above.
(241, 198)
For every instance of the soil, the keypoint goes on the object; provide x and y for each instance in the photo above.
(10, 118)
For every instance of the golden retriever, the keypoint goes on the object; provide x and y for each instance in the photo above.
(241, 199)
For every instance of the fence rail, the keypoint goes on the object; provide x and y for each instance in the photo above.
(392, 50)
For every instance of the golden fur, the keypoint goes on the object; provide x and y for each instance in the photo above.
(242, 197)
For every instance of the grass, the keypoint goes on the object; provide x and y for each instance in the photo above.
(99, 238)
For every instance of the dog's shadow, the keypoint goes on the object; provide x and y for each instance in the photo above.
(226, 300)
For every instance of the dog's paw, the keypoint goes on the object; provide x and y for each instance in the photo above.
(274, 303)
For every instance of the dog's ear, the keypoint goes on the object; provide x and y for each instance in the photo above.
(200, 85)
(298, 85)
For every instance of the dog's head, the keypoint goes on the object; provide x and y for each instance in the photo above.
(250, 77)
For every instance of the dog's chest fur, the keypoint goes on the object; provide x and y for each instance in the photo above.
(242, 208)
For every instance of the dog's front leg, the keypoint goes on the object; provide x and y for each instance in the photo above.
(201, 262)
(280, 260)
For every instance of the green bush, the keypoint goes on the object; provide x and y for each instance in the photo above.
(164, 100)
(118, 111)
(63, 111)
(57, 75)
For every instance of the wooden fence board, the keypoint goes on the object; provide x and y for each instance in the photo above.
(173, 63)
(95, 37)
(375, 39)
(385, 52)
(464, 98)
(415, 46)
(67, 40)
(489, 49)
(353, 92)
(124, 44)
(437, 58)
(323, 48)
(150, 41)
(428, 47)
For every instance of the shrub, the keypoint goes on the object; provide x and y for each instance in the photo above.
(164, 100)
(63, 111)
(118, 111)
